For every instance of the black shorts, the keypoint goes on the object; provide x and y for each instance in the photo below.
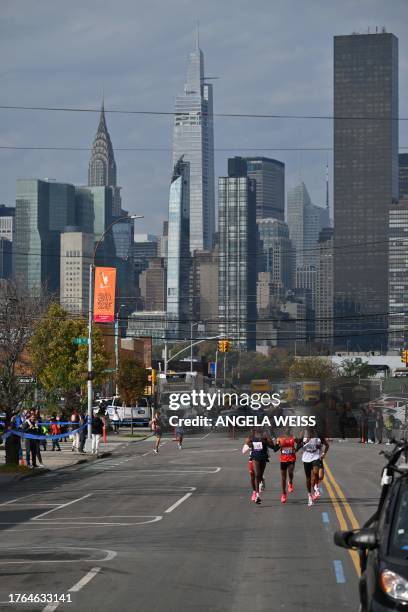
(321, 464)
(309, 465)
(285, 464)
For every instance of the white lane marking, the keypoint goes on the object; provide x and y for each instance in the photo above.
(178, 502)
(31, 504)
(82, 524)
(73, 501)
(206, 435)
(210, 470)
(110, 554)
(77, 587)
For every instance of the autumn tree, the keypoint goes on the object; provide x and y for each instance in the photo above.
(356, 368)
(313, 368)
(132, 380)
(60, 365)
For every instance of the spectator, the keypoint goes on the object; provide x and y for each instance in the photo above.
(363, 425)
(55, 431)
(379, 425)
(82, 433)
(389, 426)
(75, 425)
(30, 426)
(97, 431)
(371, 423)
(342, 423)
(116, 420)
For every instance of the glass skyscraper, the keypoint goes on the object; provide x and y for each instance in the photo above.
(398, 276)
(365, 184)
(237, 260)
(194, 139)
(43, 210)
(178, 253)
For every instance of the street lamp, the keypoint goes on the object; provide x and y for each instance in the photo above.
(117, 346)
(90, 319)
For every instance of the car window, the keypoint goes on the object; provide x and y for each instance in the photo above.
(399, 531)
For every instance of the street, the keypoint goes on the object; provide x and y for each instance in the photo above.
(177, 531)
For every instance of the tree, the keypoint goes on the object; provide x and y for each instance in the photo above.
(313, 368)
(356, 368)
(132, 380)
(19, 313)
(60, 365)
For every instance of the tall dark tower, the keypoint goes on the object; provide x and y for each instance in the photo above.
(365, 184)
(102, 165)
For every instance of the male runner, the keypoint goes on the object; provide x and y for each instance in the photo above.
(179, 436)
(157, 428)
(288, 447)
(258, 444)
(312, 454)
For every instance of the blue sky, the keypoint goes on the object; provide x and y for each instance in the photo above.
(271, 56)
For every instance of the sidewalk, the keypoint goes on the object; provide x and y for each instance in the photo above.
(54, 460)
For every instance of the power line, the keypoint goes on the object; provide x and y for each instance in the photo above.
(167, 149)
(76, 109)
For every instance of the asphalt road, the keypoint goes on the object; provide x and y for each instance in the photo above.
(177, 531)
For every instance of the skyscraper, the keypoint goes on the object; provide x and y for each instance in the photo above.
(324, 289)
(237, 260)
(269, 176)
(194, 139)
(365, 184)
(403, 174)
(102, 165)
(305, 221)
(398, 276)
(43, 210)
(276, 254)
(178, 253)
(76, 257)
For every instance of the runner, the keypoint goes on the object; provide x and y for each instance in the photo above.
(288, 447)
(179, 436)
(312, 455)
(258, 444)
(157, 427)
(245, 450)
(321, 472)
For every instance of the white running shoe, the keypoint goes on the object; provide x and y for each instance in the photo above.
(155, 451)
(262, 485)
(309, 501)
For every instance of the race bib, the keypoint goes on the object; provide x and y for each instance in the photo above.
(257, 446)
(287, 451)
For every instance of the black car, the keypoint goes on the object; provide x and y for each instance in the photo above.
(383, 541)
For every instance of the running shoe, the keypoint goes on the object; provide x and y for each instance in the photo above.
(310, 501)
(253, 496)
(180, 447)
(155, 451)
(283, 498)
(257, 498)
(291, 488)
(262, 485)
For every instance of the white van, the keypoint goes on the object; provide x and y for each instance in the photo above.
(140, 414)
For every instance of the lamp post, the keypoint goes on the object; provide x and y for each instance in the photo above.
(90, 321)
(117, 346)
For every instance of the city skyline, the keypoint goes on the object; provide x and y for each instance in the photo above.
(294, 84)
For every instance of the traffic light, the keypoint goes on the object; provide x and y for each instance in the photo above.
(404, 357)
(224, 346)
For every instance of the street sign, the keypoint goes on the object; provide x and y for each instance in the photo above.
(80, 340)
(110, 370)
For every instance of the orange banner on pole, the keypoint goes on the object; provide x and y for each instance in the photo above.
(104, 295)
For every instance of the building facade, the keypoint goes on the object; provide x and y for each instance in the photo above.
(269, 176)
(194, 139)
(403, 174)
(43, 210)
(76, 258)
(237, 260)
(305, 221)
(152, 284)
(178, 252)
(324, 290)
(398, 276)
(205, 289)
(365, 184)
(276, 254)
